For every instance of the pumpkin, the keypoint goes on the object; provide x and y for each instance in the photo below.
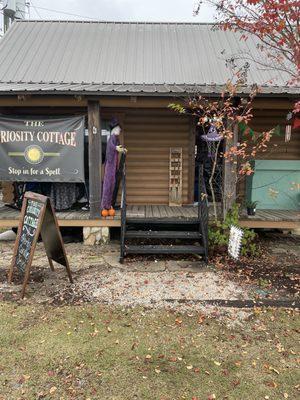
(104, 213)
(111, 212)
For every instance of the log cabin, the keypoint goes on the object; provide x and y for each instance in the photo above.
(132, 72)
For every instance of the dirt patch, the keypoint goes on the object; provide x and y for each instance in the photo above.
(98, 277)
(273, 273)
(151, 282)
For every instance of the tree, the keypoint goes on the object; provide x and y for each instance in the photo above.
(228, 115)
(276, 24)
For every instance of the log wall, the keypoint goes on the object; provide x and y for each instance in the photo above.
(148, 136)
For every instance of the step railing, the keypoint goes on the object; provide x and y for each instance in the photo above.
(203, 209)
(202, 212)
(123, 213)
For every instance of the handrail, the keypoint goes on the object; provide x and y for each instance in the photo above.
(202, 212)
(123, 213)
(203, 209)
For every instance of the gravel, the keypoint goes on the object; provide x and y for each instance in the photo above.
(98, 277)
(146, 289)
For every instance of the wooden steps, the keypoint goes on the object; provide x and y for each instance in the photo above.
(164, 249)
(162, 234)
(144, 236)
(148, 231)
(164, 231)
(162, 221)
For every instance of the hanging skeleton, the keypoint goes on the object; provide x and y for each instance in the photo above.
(288, 127)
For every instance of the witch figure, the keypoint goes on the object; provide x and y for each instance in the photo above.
(110, 166)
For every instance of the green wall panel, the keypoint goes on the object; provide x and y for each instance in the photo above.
(275, 184)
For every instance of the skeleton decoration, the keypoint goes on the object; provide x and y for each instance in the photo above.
(288, 127)
(235, 242)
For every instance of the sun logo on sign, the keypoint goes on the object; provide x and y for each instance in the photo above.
(34, 154)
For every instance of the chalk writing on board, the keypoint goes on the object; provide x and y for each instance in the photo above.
(37, 219)
(30, 224)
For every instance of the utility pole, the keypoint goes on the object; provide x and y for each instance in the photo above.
(1, 19)
(12, 10)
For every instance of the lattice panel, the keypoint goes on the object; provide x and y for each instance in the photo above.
(8, 192)
(175, 177)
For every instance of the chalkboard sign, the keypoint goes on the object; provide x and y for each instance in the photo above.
(28, 233)
(37, 218)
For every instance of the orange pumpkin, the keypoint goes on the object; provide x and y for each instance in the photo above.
(111, 212)
(104, 213)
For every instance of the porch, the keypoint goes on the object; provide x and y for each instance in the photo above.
(272, 219)
(9, 217)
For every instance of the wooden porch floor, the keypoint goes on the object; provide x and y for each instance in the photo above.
(9, 217)
(263, 219)
(281, 219)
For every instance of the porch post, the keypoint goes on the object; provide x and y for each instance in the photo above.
(95, 157)
(230, 175)
(191, 163)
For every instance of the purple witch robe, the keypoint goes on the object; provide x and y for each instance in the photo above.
(111, 163)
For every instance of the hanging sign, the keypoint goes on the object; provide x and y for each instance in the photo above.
(37, 218)
(235, 242)
(42, 149)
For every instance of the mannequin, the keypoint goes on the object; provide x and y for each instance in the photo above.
(111, 165)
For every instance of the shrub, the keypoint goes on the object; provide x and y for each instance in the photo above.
(218, 234)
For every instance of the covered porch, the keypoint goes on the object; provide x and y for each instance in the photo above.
(269, 219)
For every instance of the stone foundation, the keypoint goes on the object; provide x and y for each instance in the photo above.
(96, 235)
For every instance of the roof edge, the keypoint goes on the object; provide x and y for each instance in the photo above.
(137, 90)
(139, 84)
(83, 21)
(291, 96)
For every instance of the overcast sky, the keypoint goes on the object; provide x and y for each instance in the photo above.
(120, 10)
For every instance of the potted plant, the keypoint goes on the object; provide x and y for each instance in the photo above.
(251, 207)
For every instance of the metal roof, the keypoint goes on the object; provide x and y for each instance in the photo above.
(125, 57)
(133, 89)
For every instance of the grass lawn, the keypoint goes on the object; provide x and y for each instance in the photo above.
(93, 352)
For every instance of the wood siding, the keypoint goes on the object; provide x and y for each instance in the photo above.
(148, 136)
(150, 129)
(278, 150)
